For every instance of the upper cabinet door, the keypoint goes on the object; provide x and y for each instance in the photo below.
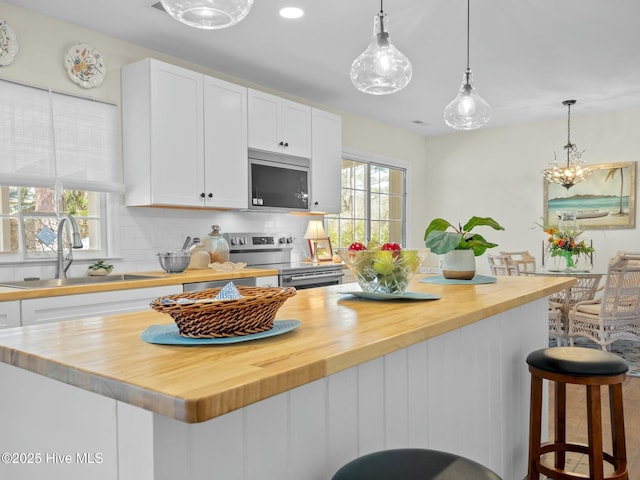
(177, 135)
(264, 124)
(162, 134)
(278, 125)
(225, 144)
(326, 162)
(296, 128)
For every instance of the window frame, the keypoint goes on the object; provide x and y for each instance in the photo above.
(109, 223)
(385, 162)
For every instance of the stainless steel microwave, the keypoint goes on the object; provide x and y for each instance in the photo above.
(278, 182)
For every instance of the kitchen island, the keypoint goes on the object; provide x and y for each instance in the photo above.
(354, 377)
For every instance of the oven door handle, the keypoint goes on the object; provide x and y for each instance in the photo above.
(288, 278)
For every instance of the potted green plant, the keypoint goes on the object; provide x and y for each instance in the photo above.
(459, 245)
(99, 268)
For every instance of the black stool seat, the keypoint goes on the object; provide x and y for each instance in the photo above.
(413, 464)
(577, 361)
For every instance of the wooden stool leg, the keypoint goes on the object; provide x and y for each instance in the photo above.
(594, 421)
(560, 421)
(535, 427)
(617, 425)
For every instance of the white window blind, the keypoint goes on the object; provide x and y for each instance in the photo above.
(46, 136)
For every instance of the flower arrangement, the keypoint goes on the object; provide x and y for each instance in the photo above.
(565, 244)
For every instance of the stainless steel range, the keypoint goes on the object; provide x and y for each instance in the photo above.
(268, 250)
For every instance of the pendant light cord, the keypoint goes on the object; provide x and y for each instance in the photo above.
(468, 23)
(569, 126)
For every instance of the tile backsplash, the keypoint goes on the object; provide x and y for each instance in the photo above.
(142, 232)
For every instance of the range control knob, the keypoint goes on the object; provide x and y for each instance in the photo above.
(233, 240)
(289, 240)
(243, 241)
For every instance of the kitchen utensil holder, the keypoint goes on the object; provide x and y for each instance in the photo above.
(253, 313)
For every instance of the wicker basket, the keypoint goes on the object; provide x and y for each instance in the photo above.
(253, 313)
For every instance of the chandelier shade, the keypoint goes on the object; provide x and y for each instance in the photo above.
(208, 14)
(468, 110)
(574, 170)
(381, 69)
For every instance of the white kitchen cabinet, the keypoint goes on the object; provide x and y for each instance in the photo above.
(326, 162)
(279, 125)
(69, 307)
(184, 138)
(10, 314)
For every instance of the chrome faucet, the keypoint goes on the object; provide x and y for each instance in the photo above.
(64, 261)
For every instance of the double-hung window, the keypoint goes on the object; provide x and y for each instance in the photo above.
(58, 155)
(373, 198)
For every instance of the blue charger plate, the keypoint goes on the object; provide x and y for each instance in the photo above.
(170, 335)
(476, 280)
(389, 296)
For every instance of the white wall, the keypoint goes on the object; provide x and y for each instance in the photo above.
(497, 172)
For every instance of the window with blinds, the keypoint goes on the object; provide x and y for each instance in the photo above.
(58, 154)
(48, 137)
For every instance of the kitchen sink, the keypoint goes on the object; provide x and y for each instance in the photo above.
(64, 282)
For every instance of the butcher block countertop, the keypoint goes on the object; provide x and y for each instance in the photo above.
(159, 279)
(196, 383)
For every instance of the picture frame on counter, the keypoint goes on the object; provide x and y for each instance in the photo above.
(605, 200)
(325, 252)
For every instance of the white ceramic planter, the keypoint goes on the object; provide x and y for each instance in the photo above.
(98, 272)
(459, 264)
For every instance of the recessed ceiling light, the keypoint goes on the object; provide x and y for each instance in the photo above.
(291, 12)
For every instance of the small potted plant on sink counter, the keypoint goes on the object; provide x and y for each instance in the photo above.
(99, 268)
(459, 245)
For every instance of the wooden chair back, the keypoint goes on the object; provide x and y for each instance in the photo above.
(501, 265)
(523, 261)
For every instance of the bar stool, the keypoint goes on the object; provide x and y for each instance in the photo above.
(579, 366)
(413, 464)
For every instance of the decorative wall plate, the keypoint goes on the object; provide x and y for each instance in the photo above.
(85, 65)
(8, 44)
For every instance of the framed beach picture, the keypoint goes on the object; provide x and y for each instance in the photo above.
(325, 251)
(605, 200)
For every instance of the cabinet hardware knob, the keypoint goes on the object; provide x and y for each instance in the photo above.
(210, 195)
(281, 144)
(315, 203)
(286, 144)
(202, 195)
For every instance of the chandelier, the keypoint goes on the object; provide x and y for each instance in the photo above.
(208, 14)
(468, 110)
(382, 68)
(574, 171)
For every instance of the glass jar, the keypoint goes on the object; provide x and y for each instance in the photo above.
(199, 256)
(217, 245)
(568, 222)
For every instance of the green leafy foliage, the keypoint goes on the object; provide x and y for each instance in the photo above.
(100, 264)
(439, 239)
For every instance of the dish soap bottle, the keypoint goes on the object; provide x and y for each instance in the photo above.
(199, 256)
(217, 245)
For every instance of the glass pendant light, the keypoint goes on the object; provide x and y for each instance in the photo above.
(575, 170)
(468, 110)
(381, 69)
(208, 14)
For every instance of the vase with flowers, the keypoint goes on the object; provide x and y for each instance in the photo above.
(564, 243)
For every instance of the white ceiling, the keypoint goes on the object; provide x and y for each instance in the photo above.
(526, 55)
